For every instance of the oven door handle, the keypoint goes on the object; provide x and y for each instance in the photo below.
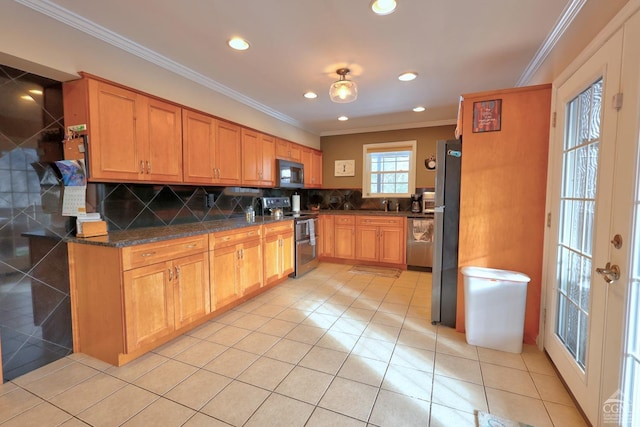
(301, 242)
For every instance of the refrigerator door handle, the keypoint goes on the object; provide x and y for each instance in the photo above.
(438, 209)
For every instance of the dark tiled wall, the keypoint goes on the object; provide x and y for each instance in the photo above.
(126, 206)
(35, 318)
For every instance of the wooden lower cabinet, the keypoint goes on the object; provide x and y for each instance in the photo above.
(365, 239)
(344, 236)
(148, 305)
(191, 289)
(326, 236)
(236, 263)
(161, 298)
(381, 239)
(278, 251)
(127, 301)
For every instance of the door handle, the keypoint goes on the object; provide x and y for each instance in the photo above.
(609, 273)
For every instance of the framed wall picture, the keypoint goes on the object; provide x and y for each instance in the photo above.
(487, 116)
(345, 168)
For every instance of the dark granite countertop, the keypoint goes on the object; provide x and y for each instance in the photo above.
(371, 212)
(120, 239)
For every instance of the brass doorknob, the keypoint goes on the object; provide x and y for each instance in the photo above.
(609, 273)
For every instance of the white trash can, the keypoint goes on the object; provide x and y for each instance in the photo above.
(494, 305)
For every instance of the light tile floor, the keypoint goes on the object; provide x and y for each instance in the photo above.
(332, 348)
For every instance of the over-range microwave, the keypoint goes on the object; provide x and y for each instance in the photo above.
(289, 174)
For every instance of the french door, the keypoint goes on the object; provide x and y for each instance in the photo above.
(581, 184)
(629, 124)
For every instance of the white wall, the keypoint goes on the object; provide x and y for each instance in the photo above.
(42, 45)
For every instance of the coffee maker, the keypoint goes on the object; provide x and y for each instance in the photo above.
(416, 206)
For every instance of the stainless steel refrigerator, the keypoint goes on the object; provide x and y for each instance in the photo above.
(445, 250)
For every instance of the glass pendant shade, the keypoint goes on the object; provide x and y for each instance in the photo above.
(343, 90)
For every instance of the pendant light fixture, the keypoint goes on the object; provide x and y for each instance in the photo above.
(343, 90)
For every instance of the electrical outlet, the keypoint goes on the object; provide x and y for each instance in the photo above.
(208, 201)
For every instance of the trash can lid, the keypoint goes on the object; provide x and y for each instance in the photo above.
(495, 274)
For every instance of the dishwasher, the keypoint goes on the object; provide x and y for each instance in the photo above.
(420, 243)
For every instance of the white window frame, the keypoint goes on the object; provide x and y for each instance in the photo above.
(382, 147)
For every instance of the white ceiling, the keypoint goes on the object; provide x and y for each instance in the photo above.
(456, 46)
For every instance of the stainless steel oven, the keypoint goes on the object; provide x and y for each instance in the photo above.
(306, 241)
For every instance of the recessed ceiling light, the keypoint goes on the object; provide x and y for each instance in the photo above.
(27, 98)
(383, 7)
(343, 118)
(35, 91)
(310, 95)
(419, 109)
(408, 76)
(238, 43)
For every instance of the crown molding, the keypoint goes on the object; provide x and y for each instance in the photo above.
(80, 23)
(566, 18)
(401, 126)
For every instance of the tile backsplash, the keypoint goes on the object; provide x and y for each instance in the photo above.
(128, 206)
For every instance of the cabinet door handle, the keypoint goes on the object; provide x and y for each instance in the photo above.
(147, 254)
(141, 166)
(192, 245)
(170, 274)
(177, 272)
(148, 167)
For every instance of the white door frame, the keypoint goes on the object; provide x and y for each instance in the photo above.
(625, 181)
(614, 25)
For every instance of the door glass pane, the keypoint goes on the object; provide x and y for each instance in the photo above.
(631, 374)
(577, 206)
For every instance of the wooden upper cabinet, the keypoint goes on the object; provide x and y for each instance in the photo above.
(312, 161)
(131, 137)
(258, 159)
(199, 143)
(135, 137)
(164, 149)
(228, 153)
(212, 150)
(268, 160)
(288, 150)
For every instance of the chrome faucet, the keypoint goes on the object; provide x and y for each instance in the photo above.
(386, 205)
